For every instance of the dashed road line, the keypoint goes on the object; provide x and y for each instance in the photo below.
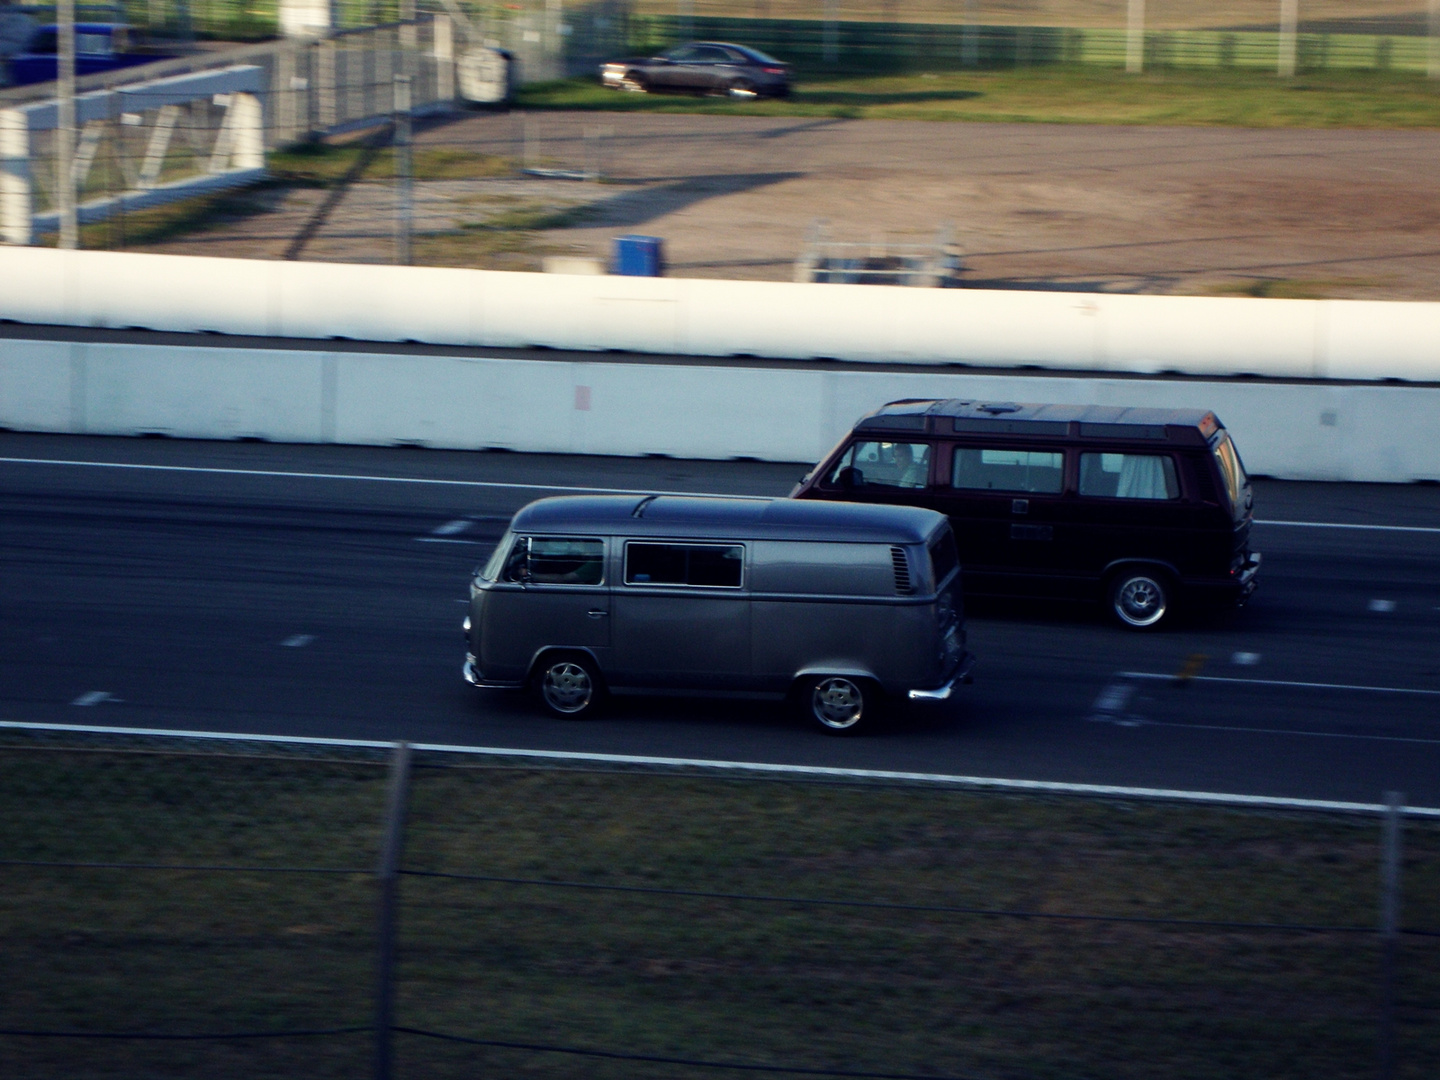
(297, 641)
(1245, 659)
(1384, 607)
(94, 697)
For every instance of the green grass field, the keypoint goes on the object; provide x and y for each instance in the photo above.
(607, 966)
(1063, 95)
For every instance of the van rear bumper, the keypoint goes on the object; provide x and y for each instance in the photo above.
(964, 673)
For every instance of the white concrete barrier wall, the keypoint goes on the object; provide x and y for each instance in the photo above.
(1336, 339)
(1371, 432)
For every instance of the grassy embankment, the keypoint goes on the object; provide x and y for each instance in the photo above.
(852, 988)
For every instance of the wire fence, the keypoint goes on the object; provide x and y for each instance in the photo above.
(250, 909)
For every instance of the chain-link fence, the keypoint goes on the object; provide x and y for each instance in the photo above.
(229, 908)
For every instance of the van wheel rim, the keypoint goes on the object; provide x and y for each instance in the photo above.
(1140, 601)
(837, 703)
(567, 687)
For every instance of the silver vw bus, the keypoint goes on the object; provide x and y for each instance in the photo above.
(838, 603)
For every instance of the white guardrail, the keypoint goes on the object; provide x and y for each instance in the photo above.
(1378, 430)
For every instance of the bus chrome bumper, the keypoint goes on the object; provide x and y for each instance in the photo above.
(472, 676)
(965, 673)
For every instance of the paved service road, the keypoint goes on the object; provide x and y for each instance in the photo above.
(319, 591)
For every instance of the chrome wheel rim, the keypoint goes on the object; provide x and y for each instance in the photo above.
(632, 86)
(743, 92)
(567, 687)
(837, 703)
(1140, 601)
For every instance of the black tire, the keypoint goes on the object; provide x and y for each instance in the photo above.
(635, 83)
(839, 704)
(1141, 597)
(569, 685)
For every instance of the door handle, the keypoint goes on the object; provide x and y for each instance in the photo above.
(597, 613)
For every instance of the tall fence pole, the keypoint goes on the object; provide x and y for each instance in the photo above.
(1135, 37)
(1432, 64)
(970, 35)
(1389, 929)
(65, 124)
(388, 874)
(1289, 27)
(404, 193)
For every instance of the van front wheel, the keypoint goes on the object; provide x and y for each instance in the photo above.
(569, 685)
(840, 705)
(1140, 597)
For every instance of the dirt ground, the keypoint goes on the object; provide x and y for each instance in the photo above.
(1159, 210)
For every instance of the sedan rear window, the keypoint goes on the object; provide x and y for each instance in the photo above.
(710, 565)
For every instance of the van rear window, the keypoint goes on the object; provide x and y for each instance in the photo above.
(710, 565)
(979, 469)
(1128, 476)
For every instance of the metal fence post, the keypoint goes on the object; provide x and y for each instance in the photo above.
(403, 169)
(970, 35)
(1289, 25)
(388, 875)
(1135, 38)
(65, 125)
(1389, 929)
(1432, 63)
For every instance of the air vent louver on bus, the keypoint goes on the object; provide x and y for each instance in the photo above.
(902, 571)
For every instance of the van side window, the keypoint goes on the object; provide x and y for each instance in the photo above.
(1128, 476)
(556, 560)
(882, 464)
(712, 565)
(983, 469)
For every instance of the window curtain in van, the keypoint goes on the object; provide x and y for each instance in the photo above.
(1142, 477)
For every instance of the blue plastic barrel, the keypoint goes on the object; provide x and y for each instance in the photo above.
(639, 256)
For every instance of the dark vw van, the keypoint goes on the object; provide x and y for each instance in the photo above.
(836, 603)
(1139, 508)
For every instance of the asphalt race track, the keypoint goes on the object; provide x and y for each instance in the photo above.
(319, 590)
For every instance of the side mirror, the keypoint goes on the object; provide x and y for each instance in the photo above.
(850, 478)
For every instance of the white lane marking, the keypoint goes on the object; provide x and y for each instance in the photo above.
(1344, 525)
(1382, 606)
(1286, 682)
(445, 540)
(450, 528)
(94, 697)
(1169, 794)
(1292, 731)
(542, 487)
(360, 477)
(1245, 659)
(297, 641)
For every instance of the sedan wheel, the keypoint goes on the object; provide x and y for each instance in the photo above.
(741, 90)
(837, 704)
(570, 686)
(634, 84)
(1139, 598)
